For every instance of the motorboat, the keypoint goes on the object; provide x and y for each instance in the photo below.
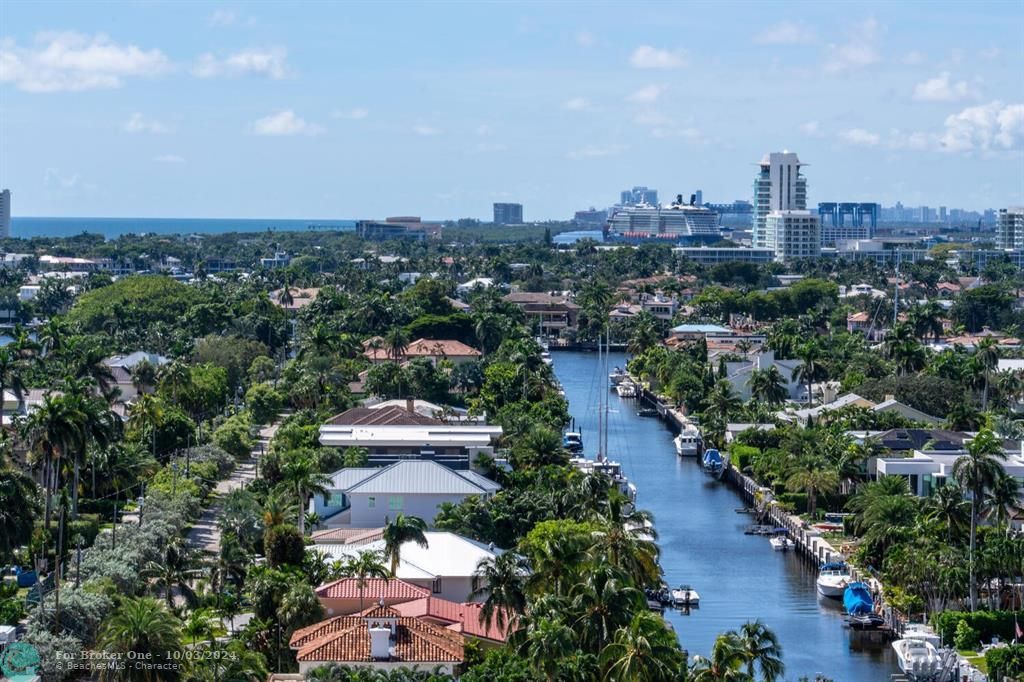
(918, 657)
(713, 463)
(617, 376)
(609, 468)
(626, 389)
(545, 356)
(833, 579)
(860, 606)
(684, 595)
(689, 442)
(573, 442)
(780, 542)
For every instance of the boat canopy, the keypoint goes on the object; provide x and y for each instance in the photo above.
(834, 566)
(857, 599)
(712, 456)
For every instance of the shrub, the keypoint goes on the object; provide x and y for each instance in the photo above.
(742, 456)
(966, 637)
(1004, 663)
(795, 501)
(233, 436)
(263, 403)
(987, 624)
(284, 545)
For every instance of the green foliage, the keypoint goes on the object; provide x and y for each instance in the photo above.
(263, 402)
(138, 301)
(235, 355)
(1005, 663)
(12, 607)
(985, 624)
(965, 638)
(930, 394)
(457, 326)
(797, 502)
(989, 305)
(283, 545)
(233, 436)
(742, 456)
(500, 665)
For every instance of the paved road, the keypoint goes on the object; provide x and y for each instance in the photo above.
(205, 534)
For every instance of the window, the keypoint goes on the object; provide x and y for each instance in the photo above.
(371, 502)
(436, 587)
(396, 503)
(335, 499)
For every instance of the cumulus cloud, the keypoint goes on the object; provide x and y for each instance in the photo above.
(576, 104)
(595, 151)
(942, 88)
(251, 62)
(169, 158)
(811, 129)
(285, 123)
(425, 130)
(647, 95)
(860, 49)
(989, 127)
(138, 123)
(785, 33)
(72, 62)
(860, 137)
(647, 57)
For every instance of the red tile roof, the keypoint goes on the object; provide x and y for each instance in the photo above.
(346, 639)
(373, 589)
(464, 618)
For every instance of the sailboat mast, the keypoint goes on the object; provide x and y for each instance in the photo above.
(607, 352)
(600, 398)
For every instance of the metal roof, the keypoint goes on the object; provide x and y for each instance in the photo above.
(411, 478)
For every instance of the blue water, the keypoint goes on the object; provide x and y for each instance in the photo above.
(576, 235)
(738, 576)
(110, 228)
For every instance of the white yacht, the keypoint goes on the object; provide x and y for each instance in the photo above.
(689, 442)
(833, 579)
(780, 543)
(917, 657)
(684, 595)
(626, 389)
(617, 376)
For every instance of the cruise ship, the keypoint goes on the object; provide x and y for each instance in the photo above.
(678, 222)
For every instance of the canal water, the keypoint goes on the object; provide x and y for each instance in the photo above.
(738, 576)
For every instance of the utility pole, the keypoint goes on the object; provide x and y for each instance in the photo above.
(113, 529)
(78, 562)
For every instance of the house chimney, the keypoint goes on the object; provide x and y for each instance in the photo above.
(410, 404)
(380, 641)
(889, 396)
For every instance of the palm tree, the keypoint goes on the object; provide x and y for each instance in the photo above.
(605, 602)
(812, 475)
(762, 649)
(175, 377)
(396, 533)
(644, 333)
(276, 509)
(147, 412)
(12, 371)
(767, 386)
(545, 642)
(142, 627)
(949, 507)
(986, 358)
(1003, 498)
(301, 475)
(901, 346)
(503, 579)
(299, 606)
(722, 401)
(363, 566)
(926, 320)
(55, 427)
(175, 570)
(19, 505)
(99, 426)
(644, 651)
(810, 368)
(726, 663)
(233, 662)
(978, 471)
(199, 624)
(396, 341)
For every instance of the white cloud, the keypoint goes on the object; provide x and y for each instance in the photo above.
(585, 39)
(860, 49)
(786, 33)
(989, 127)
(576, 104)
(914, 58)
(942, 89)
(860, 137)
(811, 129)
(285, 123)
(647, 57)
(169, 158)
(222, 17)
(138, 123)
(425, 130)
(72, 62)
(356, 114)
(595, 151)
(647, 95)
(269, 63)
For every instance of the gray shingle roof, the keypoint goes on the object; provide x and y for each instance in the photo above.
(415, 477)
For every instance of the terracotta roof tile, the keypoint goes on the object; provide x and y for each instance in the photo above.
(346, 639)
(373, 589)
(464, 618)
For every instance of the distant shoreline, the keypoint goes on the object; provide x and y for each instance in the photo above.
(26, 227)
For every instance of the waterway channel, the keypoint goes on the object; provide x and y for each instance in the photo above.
(702, 543)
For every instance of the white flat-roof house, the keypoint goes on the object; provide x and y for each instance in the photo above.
(370, 497)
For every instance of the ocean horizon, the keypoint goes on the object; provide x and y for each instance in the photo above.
(26, 227)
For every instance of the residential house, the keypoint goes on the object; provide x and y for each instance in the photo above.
(466, 288)
(553, 314)
(433, 349)
(739, 373)
(122, 368)
(890, 404)
(446, 567)
(380, 638)
(391, 433)
(368, 497)
(296, 299)
(660, 306)
(873, 328)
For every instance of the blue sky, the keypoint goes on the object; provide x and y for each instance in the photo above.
(331, 110)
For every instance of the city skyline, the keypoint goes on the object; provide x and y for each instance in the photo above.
(254, 110)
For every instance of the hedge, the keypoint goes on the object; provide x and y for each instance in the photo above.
(986, 623)
(798, 501)
(1004, 663)
(742, 456)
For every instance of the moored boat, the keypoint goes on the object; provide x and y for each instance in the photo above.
(833, 579)
(917, 657)
(858, 602)
(617, 376)
(713, 463)
(684, 595)
(779, 541)
(626, 389)
(689, 442)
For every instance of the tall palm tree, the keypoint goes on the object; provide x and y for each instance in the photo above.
(19, 505)
(986, 358)
(767, 386)
(644, 651)
(949, 507)
(363, 566)
(726, 663)
(396, 341)
(545, 642)
(55, 428)
(303, 478)
(722, 401)
(140, 626)
(605, 602)
(644, 333)
(1003, 498)
(199, 624)
(977, 472)
(12, 373)
(926, 320)
(147, 412)
(810, 368)
(99, 427)
(396, 533)
(812, 475)
(902, 347)
(503, 580)
(175, 571)
(762, 649)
